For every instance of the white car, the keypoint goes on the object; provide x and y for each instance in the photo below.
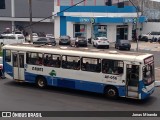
(34, 37)
(100, 42)
(150, 35)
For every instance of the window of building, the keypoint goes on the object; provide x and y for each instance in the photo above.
(91, 64)
(112, 66)
(34, 58)
(71, 62)
(99, 31)
(79, 30)
(52, 60)
(8, 56)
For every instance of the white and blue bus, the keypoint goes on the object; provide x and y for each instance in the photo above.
(126, 74)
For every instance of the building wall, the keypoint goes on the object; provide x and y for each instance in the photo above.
(6, 12)
(40, 8)
(111, 32)
(39, 27)
(89, 31)
(151, 26)
(3, 25)
(57, 27)
(70, 30)
(130, 27)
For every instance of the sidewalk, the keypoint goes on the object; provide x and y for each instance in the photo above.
(146, 46)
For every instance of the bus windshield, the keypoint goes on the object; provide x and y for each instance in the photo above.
(148, 74)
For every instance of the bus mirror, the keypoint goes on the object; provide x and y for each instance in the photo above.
(157, 83)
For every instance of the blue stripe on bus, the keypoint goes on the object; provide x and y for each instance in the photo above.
(143, 94)
(74, 84)
(8, 69)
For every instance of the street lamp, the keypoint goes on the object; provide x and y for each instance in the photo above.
(30, 15)
(137, 20)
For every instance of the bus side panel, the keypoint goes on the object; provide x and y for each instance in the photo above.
(29, 77)
(121, 91)
(89, 86)
(142, 89)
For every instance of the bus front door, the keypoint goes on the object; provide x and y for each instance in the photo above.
(132, 83)
(18, 65)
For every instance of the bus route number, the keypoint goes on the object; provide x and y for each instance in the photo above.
(111, 77)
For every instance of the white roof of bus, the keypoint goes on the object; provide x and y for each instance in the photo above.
(95, 53)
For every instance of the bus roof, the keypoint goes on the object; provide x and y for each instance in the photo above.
(85, 52)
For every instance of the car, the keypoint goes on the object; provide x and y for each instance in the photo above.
(150, 36)
(123, 44)
(46, 41)
(64, 40)
(81, 41)
(34, 37)
(100, 42)
(50, 35)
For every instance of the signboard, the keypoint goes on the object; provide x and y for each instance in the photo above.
(87, 20)
(149, 60)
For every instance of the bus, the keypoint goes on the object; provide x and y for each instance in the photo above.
(11, 38)
(114, 74)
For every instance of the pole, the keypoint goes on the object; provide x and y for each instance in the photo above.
(137, 11)
(13, 13)
(30, 15)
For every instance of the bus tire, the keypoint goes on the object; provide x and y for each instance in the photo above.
(41, 82)
(111, 92)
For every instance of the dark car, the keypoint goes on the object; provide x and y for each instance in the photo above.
(81, 41)
(123, 44)
(64, 40)
(46, 41)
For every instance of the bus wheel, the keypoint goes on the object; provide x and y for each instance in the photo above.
(111, 92)
(41, 82)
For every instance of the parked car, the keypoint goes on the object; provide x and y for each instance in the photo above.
(150, 35)
(123, 44)
(64, 40)
(100, 42)
(45, 40)
(50, 35)
(81, 41)
(73, 41)
(34, 37)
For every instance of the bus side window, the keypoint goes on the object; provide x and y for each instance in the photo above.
(34, 58)
(112, 66)
(53, 60)
(91, 64)
(71, 62)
